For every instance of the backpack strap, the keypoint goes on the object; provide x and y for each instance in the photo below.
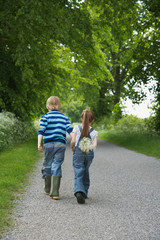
(91, 130)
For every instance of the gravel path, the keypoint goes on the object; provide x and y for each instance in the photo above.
(123, 204)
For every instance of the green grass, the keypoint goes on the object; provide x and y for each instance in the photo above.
(142, 143)
(15, 166)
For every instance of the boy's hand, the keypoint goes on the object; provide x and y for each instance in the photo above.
(40, 149)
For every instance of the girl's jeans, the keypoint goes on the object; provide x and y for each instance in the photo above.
(54, 157)
(81, 164)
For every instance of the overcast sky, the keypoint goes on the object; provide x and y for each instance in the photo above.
(141, 110)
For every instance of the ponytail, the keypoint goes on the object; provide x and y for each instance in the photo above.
(87, 118)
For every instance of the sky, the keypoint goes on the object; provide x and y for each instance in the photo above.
(141, 110)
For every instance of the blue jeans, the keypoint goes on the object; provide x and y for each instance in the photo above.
(81, 164)
(54, 157)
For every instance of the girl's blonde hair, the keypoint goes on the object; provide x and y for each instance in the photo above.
(53, 103)
(87, 117)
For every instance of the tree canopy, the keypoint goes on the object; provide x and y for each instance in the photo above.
(30, 33)
(89, 53)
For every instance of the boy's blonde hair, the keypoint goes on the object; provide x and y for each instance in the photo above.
(53, 103)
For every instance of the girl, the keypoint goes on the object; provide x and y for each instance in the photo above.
(81, 159)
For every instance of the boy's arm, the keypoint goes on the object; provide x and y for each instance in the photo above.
(40, 149)
(72, 134)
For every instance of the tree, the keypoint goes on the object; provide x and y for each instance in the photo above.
(152, 57)
(122, 30)
(97, 51)
(29, 34)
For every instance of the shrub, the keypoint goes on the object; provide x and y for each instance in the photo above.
(131, 124)
(102, 124)
(13, 130)
(128, 125)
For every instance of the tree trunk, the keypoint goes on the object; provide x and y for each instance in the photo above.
(118, 78)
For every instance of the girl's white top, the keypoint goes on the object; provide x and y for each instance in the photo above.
(76, 130)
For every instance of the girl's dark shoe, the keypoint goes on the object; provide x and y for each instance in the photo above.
(84, 195)
(80, 198)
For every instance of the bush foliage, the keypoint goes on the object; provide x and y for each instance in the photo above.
(129, 124)
(13, 130)
(133, 133)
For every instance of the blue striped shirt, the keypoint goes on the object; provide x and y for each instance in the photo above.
(53, 127)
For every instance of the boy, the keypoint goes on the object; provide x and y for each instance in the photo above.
(53, 128)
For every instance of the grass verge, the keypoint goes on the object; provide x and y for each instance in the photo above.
(15, 165)
(141, 143)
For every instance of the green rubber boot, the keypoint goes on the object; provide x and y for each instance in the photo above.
(47, 182)
(55, 185)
